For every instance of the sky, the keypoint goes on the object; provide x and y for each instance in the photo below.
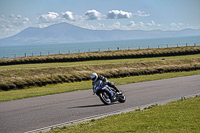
(17, 15)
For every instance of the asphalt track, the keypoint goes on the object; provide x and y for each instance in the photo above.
(34, 113)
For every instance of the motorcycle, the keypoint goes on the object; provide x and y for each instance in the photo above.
(107, 94)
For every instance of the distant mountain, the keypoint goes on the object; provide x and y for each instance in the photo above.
(65, 33)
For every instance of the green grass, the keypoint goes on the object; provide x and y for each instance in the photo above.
(68, 87)
(181, 116)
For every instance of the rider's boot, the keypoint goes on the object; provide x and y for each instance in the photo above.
(118, 91)
(113, 86)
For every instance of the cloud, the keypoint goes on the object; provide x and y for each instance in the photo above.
(141, 14)
(132, 24)
(42, 25)
(145, 26)
(26, 19)
(152, 23)
(68, 15)
(12, 16)
(101, 25)
(117, 24)
(93, 15)
(13, 20)
(116, 14)
(141, 24)
(178, 26)
(89, 26)
(19, 16)
(49, 17)
(12, 24)
(173, 24)
(2, 16)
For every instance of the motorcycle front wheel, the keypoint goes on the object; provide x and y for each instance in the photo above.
(104, 96)
(122, 98)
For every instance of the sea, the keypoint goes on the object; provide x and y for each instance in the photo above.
(66, 48)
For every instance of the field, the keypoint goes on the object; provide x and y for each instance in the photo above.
(40, 74)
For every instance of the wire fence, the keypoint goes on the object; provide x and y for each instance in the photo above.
(83, 50)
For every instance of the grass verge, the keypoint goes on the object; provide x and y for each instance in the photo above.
(68, 87)
(177, 116)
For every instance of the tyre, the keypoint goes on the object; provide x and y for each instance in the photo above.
(122, 98)
(104, 96)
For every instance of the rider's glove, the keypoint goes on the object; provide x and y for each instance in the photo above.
(94, 91)
(112, 83)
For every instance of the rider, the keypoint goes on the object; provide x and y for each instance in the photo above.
(95, 78)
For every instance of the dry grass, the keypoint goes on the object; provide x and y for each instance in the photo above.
(23, 74)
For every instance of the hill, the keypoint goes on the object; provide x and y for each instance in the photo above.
(65, 33)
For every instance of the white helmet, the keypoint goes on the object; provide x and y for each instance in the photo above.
(94, 77)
